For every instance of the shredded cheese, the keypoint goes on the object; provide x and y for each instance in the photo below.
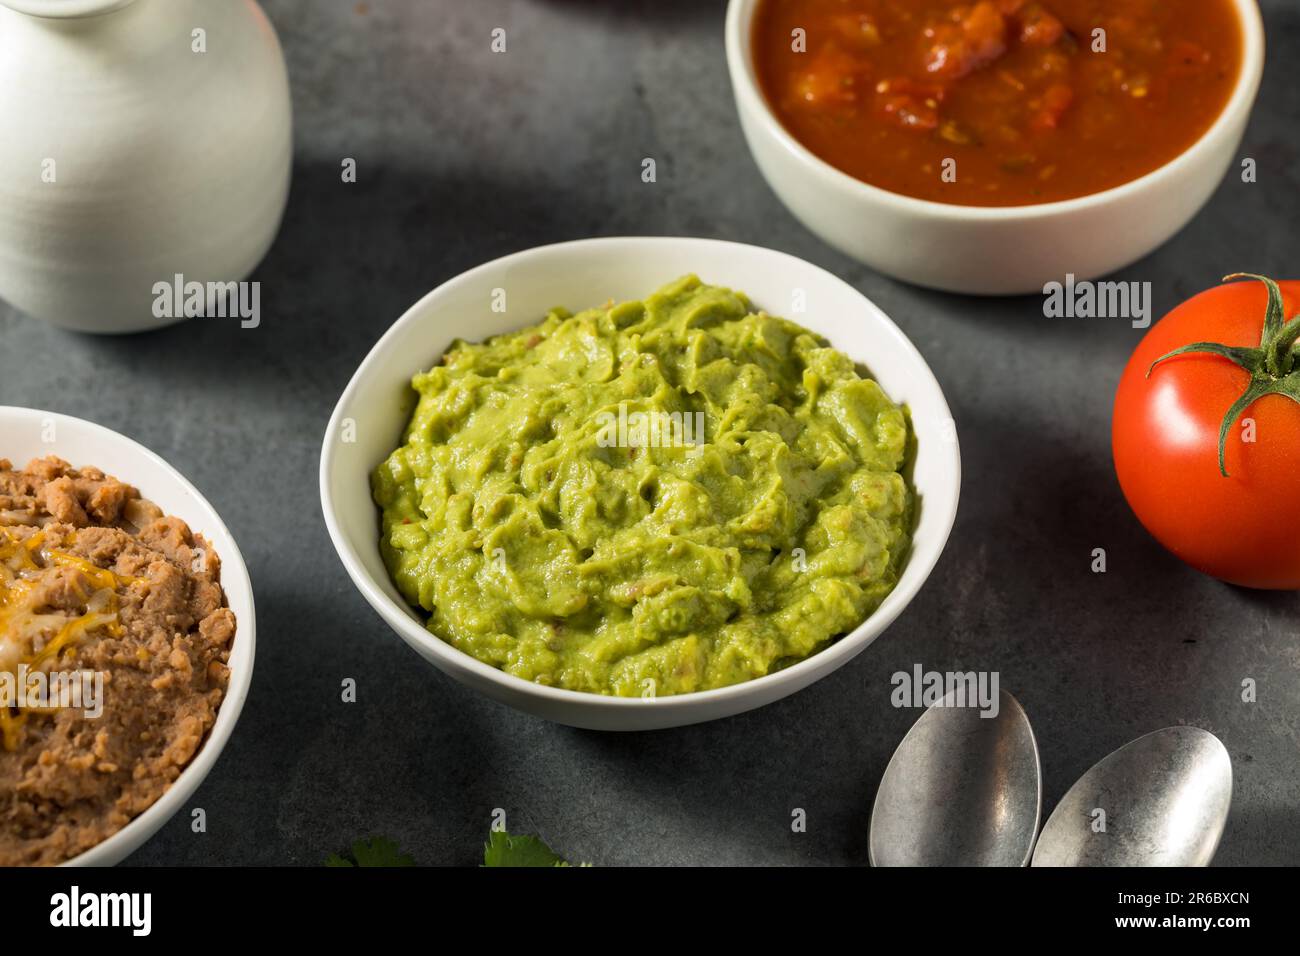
(25, 631)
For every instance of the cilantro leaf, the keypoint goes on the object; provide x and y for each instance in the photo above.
(376, 851)
(502, 849)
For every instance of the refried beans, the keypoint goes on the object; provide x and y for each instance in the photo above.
(96, 580)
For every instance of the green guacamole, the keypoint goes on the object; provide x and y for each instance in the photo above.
(652, 498)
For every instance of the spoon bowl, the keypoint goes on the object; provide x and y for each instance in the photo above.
(961, 790)
(1163, 800)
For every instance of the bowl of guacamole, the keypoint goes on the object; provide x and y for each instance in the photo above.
(634, 483)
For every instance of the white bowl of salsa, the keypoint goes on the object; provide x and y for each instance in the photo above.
(370, 418)
(993, 147)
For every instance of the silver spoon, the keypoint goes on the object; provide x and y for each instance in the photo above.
(1165, 799)
(960, 790)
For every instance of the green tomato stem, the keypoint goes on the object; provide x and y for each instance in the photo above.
(1272, 366)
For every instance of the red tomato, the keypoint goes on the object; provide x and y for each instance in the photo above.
(1165, 436)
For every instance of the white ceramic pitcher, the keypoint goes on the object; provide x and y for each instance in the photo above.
(139, 140)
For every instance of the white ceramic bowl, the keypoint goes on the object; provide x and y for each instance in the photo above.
(989, 251)
(25, 434)
(375, 407)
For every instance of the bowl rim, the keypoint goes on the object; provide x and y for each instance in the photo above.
(65, 9)
(751, 99)
(942, 513)
(234, 577)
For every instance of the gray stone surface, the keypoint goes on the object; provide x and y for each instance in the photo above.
(466, 156)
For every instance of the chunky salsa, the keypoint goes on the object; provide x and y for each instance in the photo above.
(997, 102)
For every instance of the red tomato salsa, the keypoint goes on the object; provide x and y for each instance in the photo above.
(997, 102)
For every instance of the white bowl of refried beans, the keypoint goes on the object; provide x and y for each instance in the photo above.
(126, 641)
